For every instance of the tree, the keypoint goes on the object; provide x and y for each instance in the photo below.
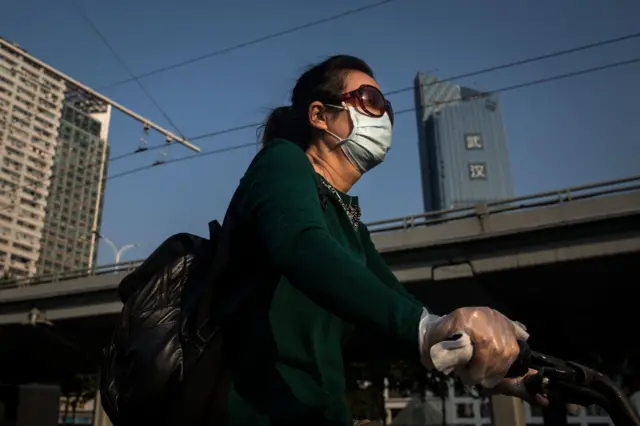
(76, 389)
(6, 277)
(408, 378)
(366, 384)
(365, 387)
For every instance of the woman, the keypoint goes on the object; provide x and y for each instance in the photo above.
(299, 237)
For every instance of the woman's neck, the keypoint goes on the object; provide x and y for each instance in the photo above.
(331, 167)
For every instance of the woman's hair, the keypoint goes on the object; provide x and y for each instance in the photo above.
(321, 82)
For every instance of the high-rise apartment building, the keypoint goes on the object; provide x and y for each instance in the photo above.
(53, 151)
(462, 145)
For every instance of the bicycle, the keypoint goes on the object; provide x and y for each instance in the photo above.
(562, 382)
(571, 383)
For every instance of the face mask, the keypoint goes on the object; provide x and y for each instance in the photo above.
(369, 142)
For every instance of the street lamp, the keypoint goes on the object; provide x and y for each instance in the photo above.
(117, 252)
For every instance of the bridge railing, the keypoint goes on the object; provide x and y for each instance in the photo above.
(508, 205)
(407, 222)
(69, 275)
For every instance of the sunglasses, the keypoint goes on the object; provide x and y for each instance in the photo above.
(370, 100)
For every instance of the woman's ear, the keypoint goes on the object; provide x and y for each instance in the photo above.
(317, 116)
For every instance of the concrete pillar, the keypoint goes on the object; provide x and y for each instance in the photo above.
(507, 411)
(38, 405)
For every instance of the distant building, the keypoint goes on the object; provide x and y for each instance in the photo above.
(462, 145)
(464, 410)
(76, 196)
(53, 159)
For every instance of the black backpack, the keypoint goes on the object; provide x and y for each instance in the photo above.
(164, 365)
(164, 328)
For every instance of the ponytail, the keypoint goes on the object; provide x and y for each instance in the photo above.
(285, 123)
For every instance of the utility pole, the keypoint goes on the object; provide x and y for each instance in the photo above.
(117, 251)
(169, 135)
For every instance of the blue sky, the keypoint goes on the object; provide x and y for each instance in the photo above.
(560, 134)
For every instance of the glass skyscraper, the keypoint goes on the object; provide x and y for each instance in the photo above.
(462, 145)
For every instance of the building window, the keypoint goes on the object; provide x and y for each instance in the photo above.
(477, 171)
(465, 410)
(473, 141)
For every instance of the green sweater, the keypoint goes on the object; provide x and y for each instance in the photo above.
(286, 349)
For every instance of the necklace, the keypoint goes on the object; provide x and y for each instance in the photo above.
(353, 212)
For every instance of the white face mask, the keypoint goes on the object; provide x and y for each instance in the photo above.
(370, 140)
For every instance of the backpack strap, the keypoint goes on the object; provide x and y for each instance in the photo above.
(220, 235)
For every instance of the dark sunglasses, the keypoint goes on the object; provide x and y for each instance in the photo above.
(370, 100)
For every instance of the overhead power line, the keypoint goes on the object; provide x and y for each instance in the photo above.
(508, 65)
(101, 36)
(405, 89)
(182, 159)
(522, 62)
(202, 136)
(68, 80)
(531, 83)
(249, 43)
(404, 111)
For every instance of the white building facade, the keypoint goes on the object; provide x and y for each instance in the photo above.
(464, 410)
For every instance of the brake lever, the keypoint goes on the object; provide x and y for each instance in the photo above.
(539, 360)
(530, 359)
(564, 381)
(551, 370)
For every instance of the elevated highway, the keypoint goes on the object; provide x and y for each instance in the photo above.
(561, 262)
(573, 224)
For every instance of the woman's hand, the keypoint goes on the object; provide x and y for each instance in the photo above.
(515, 387)
(494, 338)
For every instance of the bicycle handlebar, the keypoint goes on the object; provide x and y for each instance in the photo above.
(559, 380)
(571, 383)
(521, 365)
